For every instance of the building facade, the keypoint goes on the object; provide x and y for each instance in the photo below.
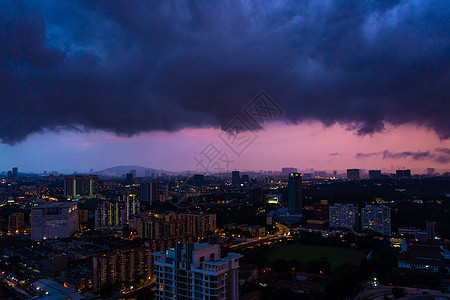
(116, 213)
(196, 271)
(353, 174)
(295, 195)
(343, 216)
(377, 219)
(122, 265)
(15, 223)
(80, 185)
(150, 192)
(54, 220)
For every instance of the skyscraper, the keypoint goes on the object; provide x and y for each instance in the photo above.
(376, 218)
(343, 216)
(295, 196)
(196, 271)
(15, 172)
(80, 185)
(353, 174)
(235, 178)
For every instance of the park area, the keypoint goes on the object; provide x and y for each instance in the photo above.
(305, 253)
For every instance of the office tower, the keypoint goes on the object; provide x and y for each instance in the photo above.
(431, 230)
(148, 173)
(199, 179)
(80, 185)
(235, 178)
(9, 174)
(375, 174)
(343, 216)
(129, 178)
(295, 196)
(54, 220)
(150, 192)
(288, 170)
(15, 223)
(245, 179)
(196, 271)
(377, 219)
(353, 174)
(431, 171)
(125, 265)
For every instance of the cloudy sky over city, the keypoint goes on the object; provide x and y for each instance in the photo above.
(93, 84)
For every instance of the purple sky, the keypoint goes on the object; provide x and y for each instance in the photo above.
(279, 145)
(165, 76)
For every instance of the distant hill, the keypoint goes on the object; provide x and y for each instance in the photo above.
(119, 171)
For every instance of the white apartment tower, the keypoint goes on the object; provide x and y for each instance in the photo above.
(196, 271)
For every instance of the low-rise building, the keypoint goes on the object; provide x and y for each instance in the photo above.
(424, 255)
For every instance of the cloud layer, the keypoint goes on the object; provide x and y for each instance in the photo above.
(439, 155)
(135, 66)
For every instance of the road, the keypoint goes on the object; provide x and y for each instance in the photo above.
(283, 232)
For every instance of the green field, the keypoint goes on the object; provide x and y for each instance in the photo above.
(304, 253)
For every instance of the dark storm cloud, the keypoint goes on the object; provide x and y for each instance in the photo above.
(366, 155)
(134, 66)
(439, 155)
(407, 154)
(335, 154)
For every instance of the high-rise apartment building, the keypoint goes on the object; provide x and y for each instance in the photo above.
(116, 213)
(54, 220)
(353, 174)
(80, 185)
(122, 266)
(295, 195)
(196, 271)
(160, 226)
(198, 224)
(150, 192)
(377, 219)
(15, 223)
(343, 216)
